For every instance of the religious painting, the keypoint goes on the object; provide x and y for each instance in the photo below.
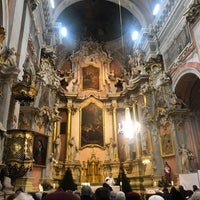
(91, 78)
(92, 125)
(40, 149)
(166, 145)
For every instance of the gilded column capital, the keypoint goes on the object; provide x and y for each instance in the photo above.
(109, 108)
(71, 107)
(114, 104)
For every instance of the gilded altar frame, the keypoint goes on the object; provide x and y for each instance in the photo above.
(92, 124)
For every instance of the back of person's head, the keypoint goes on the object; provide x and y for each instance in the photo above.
(77, 193)
(120, 196)
(132, 196)
(106, 185)
(173, 190)
(112, 195)
(60, 195)
(23, 196)
(102, 193)
(189, 193)
(18, 190)
(165, 190)
(181, 187)
(36, 196)
(156, 197)
(12, 196)
(195, 188)
(86, 190)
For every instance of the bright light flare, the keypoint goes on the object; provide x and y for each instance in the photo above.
(52, 4)
(135, 35)
(63, 31)
(156, 9)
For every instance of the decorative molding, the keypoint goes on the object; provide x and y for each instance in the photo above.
(19, 152)
(193, 13)
(34, 4)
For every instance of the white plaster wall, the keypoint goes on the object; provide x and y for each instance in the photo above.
(197, 37)
(75, 127)
(24, 41)
(15, 26)
(108, 130)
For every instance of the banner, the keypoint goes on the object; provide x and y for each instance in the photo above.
(188, 180)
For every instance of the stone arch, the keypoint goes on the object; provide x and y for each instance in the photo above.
(187, 83)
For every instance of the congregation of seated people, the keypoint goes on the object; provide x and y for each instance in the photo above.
(105, 192)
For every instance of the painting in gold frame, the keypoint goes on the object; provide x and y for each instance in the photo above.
(166, 145)
(91, 125)
(90, 77)
(40, 149)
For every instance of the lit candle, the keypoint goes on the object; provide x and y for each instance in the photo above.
(172, 183)
(54, 186)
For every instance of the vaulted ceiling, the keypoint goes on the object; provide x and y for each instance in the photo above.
(103, 20)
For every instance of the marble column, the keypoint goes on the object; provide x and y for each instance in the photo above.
(69, 106)
(114, 104)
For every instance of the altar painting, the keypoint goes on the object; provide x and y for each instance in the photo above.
(91, 78)
(92, 125)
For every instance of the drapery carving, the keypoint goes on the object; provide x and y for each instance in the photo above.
(47, 73)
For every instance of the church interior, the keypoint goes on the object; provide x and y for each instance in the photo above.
(97, 86)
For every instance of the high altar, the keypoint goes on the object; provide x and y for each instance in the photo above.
(79, 116)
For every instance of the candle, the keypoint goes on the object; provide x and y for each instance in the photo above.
(172, 183)
(54, 186)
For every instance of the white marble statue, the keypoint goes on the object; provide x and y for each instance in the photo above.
(57, 147)
(184, 153)
(112, 149)
(7, 183)
(72, 149)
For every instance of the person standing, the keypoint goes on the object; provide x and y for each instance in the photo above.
(110, 180)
